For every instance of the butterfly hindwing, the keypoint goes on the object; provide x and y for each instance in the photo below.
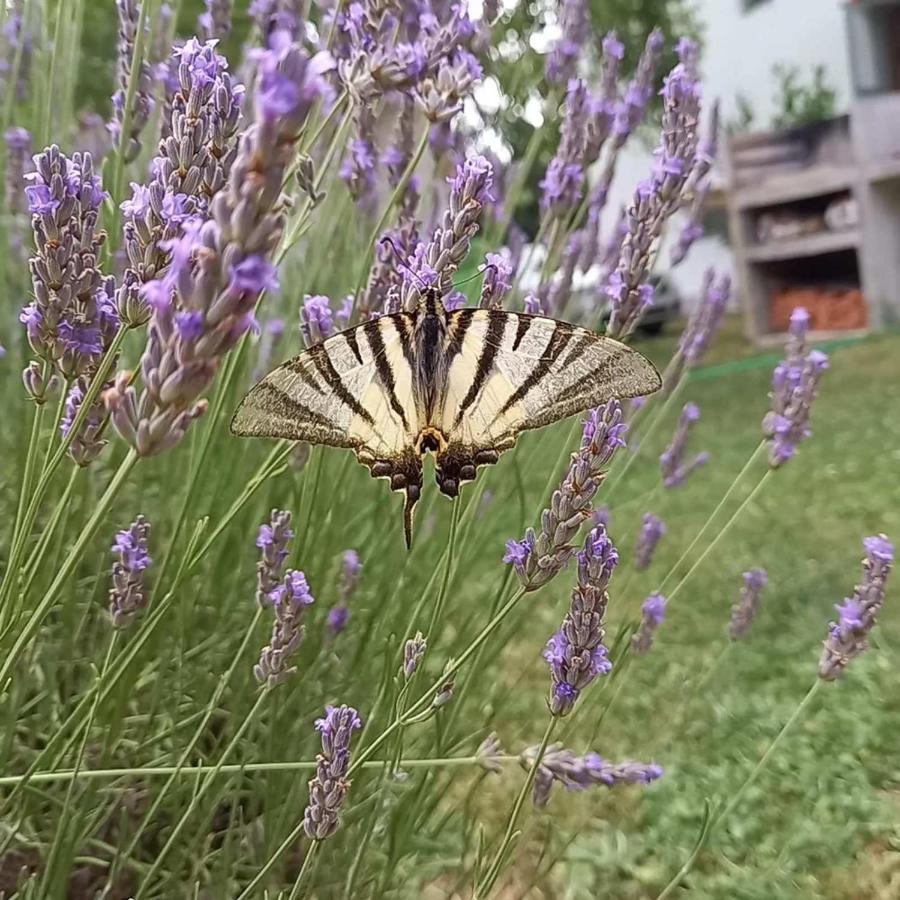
(516, 372)
(353, 390)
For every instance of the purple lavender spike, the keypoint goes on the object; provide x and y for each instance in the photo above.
(273, 540)
(795, 384)
(578, 773)
(129, 19)
(215, 22)
(675, 469)
(576, 653)
(744, 611)
(858, 615)
(289, 600)
(498, 275)
(562, 185)
(562, 60)
(538, 558)
(652, 531)
(653, 612)
(328, 788)
(339, 615)
(72, 319)
(220, 266)
(316, 319)
(128, 595)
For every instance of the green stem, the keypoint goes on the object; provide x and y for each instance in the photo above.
(51, 84)
(198, 795)
(71, 561)
(721, 534)
(304, 869)
(96, 385)
(63, 821)
(487, 883)
(174, 772)
(712, 517)
(449, 559)
(719, 817)
(366, 754)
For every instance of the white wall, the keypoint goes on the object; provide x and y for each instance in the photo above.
(740, 49)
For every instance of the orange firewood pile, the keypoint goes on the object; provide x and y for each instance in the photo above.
(830, 309)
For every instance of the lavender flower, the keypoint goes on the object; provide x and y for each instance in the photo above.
(498, 275)
(744, 611)
(385, 275)
(578, 773)
(88, 443)
(702, 325)
(560, 291)
(576, 653)
(654, 201)
(795, 383)
(562, 60)
(72, 319)
(653, 613)
(440, 97)
(339, 615)
(192, 166)
(277, 16)
(602, 106)
(675, 470)
(633, 107)
(537, 558)
(358, 170)
(272, 540)
(413, 651)
(316, 319)
(437, 260)
(328, 789)
(652, 531)
(128, 595)
(561, 187)
(129, 19)
(857, 615)
(215, 22)
(289, 599)
(220, 267)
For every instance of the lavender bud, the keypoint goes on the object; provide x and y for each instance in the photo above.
(653, 612)
(413, 651)
(578, 773)
(652, 531)
(437, 260)
(561, 187)
(445, 691)
(858, 615)
(316, 319)
(498, 275)
(744, 611)
(539, 557)
(490, 753)
(289, 600)
(576, 653)
(35, 386)
(128, 595)
(328, 788)
(88, 443)
(273, 540)
(129, 19)
(675, 470)
(795, 384)
(339, 615)
(562, 60)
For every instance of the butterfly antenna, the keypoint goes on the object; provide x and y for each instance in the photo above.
(402, 263)
(478, 274)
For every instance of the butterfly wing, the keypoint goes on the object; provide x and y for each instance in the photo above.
(353, 390)
(515, 372)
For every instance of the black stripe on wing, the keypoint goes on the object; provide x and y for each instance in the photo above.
(372, 331)
(332, 378)
(562, 334)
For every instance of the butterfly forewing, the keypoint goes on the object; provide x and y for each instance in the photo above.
(516, 372)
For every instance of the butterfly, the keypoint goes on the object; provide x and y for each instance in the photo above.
(461, 385)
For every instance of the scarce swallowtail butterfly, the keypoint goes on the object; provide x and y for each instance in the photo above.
(461, 385)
